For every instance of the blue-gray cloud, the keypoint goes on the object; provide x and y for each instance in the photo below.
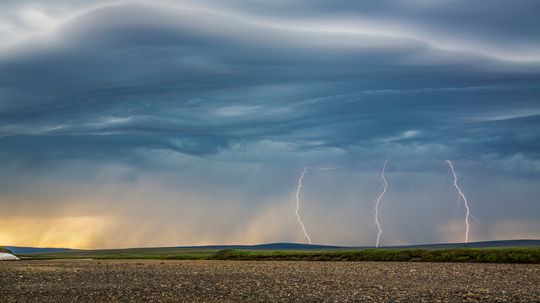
(153, 86)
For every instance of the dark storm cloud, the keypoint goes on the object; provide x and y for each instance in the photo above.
(148, 76)
(159, 105)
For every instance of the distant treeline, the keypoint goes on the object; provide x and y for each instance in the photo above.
(506, 255)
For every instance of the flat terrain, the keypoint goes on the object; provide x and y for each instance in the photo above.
(483, 255)
(266, 281)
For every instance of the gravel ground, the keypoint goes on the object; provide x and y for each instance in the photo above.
(266, 281)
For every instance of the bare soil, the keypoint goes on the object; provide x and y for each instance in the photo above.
(266, 281)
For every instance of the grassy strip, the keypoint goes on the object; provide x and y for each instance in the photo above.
(148, 256)
(4, 250)
(499, 255)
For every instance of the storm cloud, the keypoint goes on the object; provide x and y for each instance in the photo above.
(193, 119)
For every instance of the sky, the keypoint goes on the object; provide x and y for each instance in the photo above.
(164, 123)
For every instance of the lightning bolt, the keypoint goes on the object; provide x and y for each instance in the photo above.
(379, 198)
(463, 197)
(298, 218)
(298, 189)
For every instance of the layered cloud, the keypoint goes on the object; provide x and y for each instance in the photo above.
(115, 101)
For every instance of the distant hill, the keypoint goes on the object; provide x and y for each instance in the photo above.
(483, 244)
(268, 246)
(301, 246)
(35, 250)
(286, 246)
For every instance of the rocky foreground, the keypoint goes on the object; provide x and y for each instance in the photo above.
(238, 281)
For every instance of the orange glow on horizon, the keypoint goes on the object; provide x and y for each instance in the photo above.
(71, 232)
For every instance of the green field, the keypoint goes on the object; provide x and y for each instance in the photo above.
(4, 250)
(486, 255)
